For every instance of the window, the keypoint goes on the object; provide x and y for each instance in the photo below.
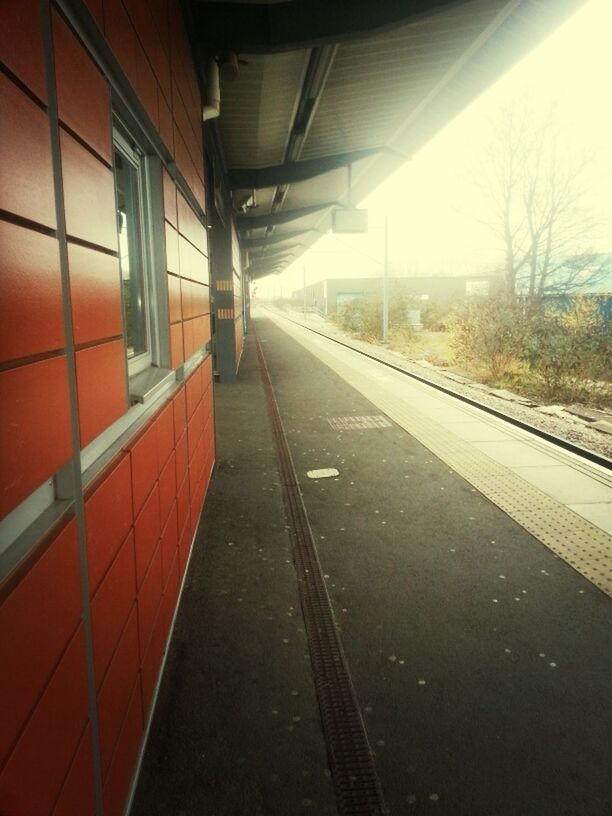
(130, 185)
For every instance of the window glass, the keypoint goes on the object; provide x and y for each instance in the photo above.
(129, 227)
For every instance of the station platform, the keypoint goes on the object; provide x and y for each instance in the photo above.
(479, 658)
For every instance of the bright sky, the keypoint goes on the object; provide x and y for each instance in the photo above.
(432, 202)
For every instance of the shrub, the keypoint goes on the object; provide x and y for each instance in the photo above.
(568, 344)
(363, 317)
(490, 332)
(436, 315)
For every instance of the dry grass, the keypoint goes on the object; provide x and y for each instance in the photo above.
(436, 348)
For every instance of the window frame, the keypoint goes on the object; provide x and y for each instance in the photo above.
(136, 157)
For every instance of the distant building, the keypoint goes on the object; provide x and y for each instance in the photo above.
(594, 281)
(580, 275)
(329, 295)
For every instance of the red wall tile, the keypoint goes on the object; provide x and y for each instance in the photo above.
(111, 607)
(144, 466)
(169, 544)
(152, 661)
(78, 792)
(34, 428)
(33, 776)
(181, 154)
(149, 599)
(185, 545)
(121, 36)
(172, 255)
(171, 592)
(140, 14)
(193, 391)
(181, 457)
(108, 518)
(186, 299)
(183, 503)
(201, 331)
(167, 488)
(21, 24)
(161, 66)
(177, 354)
(196, 506)
(193, 264)
(82, 92)
(194, 431)
(26, 183)
(121, 771)
(95, 292)
(164, 429)
(31, 311)
(174, 298)
(145, 85)
(169, 198)
(101, 388)
(159, 10)
(198, 191)
(190, 225)
(89, 195)
(180, 416)
(199, 299)
(147, 529)
(207, 371)
(188, 342)
(114, 695)
(36, 623)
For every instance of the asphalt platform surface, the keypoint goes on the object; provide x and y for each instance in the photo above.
(480, 660)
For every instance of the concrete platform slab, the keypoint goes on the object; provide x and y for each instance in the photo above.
(565, 485)
(479, 432)
(513, 454)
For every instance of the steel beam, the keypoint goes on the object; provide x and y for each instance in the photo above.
(293, 171)
(256, 243)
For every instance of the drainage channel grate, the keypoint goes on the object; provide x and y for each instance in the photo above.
(358, 423)
(356, 783)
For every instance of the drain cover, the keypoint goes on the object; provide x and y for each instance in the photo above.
(358, 423)
(323, 473)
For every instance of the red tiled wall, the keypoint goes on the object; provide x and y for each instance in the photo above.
(239, 335)
(137, 558)
(137, 555)
(188, 279)
(34, 410)
(43, 686)
(141, 513)
(84, 112)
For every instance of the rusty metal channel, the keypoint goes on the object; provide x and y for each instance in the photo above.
(356, 783)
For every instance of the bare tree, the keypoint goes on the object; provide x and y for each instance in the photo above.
(537, 189)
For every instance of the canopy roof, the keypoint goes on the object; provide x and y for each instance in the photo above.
(327, 84)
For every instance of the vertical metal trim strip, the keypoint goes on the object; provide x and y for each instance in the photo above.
(79, 504)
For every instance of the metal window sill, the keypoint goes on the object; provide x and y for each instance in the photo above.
(145, 387)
